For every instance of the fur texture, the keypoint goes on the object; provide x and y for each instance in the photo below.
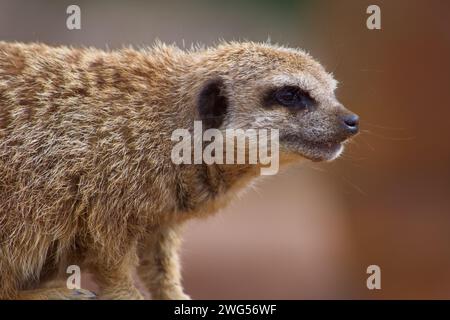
(85, 170)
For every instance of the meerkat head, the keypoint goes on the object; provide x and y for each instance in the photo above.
(261, 86)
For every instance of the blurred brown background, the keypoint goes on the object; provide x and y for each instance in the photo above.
(311, 231)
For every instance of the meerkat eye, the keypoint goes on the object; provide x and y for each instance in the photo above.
(293, 97)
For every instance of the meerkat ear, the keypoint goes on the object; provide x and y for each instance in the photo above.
(212, 104)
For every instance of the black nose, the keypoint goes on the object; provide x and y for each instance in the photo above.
(351, 123)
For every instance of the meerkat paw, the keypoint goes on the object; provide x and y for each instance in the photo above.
(121, 294)
(181, 296)
(170, 295)
(57, 294)
(81, 294)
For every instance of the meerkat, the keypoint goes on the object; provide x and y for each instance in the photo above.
(86, 175)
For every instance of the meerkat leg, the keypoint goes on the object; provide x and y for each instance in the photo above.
(56, 289)
(53, 286)
(59, 293)
(159, 266)
(10, 283)
(114, 276)
(9, 290)
(9, 287)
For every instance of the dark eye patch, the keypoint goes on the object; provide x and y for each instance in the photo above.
(212, 104)
(291, 97)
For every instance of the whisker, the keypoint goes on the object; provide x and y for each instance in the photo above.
(339, 177)
(383, 127)
(371, 70)
(354, 186)
(388, 138)
(352, 158)
(367, 144)
(317, 168)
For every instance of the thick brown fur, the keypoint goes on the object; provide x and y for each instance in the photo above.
(86, 176)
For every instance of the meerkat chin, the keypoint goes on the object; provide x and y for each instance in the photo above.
(85, 153)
